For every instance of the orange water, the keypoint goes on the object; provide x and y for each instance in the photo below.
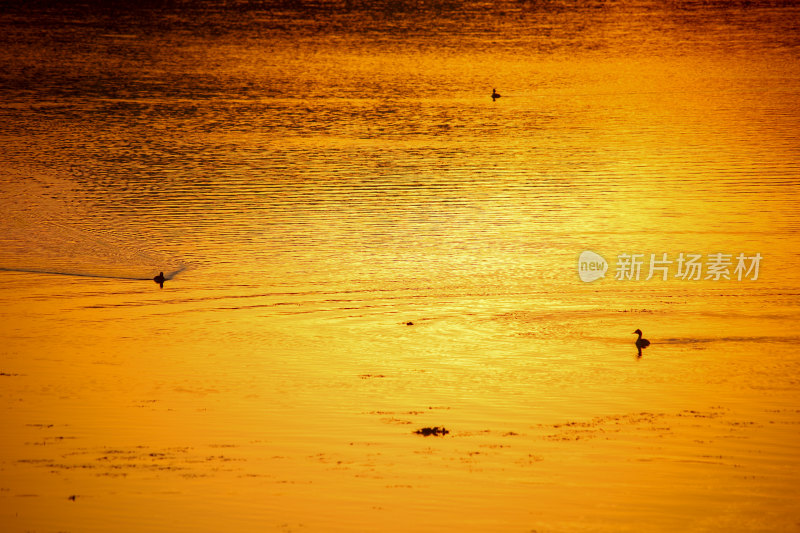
(312, 180)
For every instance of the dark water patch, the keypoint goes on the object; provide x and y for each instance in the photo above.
(434, 431)
(603, 426)
(395, 412)
(701, 414)
(122, 462)
(50, 441)
(682, 425)
(37, 462)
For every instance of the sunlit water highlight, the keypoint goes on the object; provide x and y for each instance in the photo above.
(311, 181)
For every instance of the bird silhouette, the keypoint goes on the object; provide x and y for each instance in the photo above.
(495, 95)
(640, 342)
(160, 279)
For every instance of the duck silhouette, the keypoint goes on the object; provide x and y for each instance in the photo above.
(495, 95)
(640, 342)
(160, 279)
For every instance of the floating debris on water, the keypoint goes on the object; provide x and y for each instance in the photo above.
(436, 431)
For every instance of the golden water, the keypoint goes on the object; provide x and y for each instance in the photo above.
(313, 179)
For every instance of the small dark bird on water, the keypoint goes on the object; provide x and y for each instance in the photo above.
(495, 95)
(160, 279)
(640, 342)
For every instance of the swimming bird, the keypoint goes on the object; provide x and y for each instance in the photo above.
(495, 95)
(160, 279)
(640, 342)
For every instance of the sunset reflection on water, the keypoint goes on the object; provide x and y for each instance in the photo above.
(366, 245)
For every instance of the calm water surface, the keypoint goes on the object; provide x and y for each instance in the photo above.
(313, 178)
